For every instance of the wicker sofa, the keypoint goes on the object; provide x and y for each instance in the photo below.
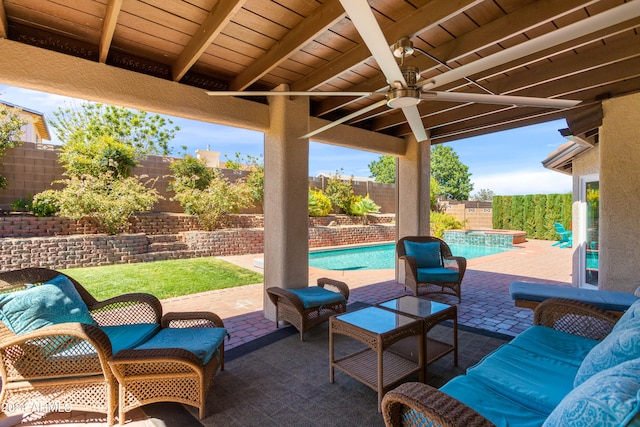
(575, 366)
(62, 349)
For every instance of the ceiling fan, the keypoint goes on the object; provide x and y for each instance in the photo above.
(405, 91)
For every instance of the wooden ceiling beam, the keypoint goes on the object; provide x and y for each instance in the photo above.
(425, 17)
(505, 27)
(323, 18)
(218, 18)
(4, 25)
(108, 28)
(584, 62)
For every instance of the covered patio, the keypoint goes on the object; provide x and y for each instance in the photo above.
(163, 57)
(486, 306)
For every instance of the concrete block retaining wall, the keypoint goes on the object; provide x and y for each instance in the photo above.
(59, 252)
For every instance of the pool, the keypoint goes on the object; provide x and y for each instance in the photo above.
(381, 257)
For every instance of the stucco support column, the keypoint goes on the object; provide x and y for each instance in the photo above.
(286, 186)
(412, 193)
(619, 269)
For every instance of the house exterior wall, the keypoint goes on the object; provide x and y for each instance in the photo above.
(619, 195)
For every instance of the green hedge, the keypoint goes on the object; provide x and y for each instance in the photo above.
(533, 213)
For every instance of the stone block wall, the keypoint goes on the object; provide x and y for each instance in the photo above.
(163, 236)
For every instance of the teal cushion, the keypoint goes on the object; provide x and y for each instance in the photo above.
(630, 318)
(609, 398)
(129, 336)
(533, 380)
(54, 302)
(491, 404)
(427, 254)
(556, 344)
(617, 347)
(317, 296)
(203, 342)
(437, 275)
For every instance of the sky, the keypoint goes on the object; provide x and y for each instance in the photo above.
(507, 163)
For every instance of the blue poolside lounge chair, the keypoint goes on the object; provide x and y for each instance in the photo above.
(566, 239)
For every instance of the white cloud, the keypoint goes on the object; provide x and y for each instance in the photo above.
(523, 182)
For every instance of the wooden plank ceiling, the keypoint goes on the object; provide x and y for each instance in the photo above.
(312, 45)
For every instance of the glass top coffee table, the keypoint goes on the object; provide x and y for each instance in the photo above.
(432, 313)
(377, 329)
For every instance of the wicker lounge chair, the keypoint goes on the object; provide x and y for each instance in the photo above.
(303, 315)
(68, 363)
(428, 270)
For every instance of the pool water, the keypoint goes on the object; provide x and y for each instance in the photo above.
(381, 257)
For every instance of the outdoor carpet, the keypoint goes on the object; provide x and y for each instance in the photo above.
(278, 380)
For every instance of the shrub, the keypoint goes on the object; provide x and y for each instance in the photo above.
(22, 204)
(44, 203)
(319, 203)
(363, 206)
(98, 156)
(340, 192)
(442, 221)
(190, 172)
(109, 202)
(219, 198)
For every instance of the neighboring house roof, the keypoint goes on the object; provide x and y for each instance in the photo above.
(346, 177)
(39, 121)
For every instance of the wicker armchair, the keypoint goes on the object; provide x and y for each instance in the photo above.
(67, 364)
(290, 308)
(416, 277)
(418, 404)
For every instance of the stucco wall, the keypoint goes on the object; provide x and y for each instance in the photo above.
(620, 194)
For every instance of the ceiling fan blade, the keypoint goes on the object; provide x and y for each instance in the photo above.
(271, 93)
(415, 122)
(365, 22)
(346, 118)
(481, 98)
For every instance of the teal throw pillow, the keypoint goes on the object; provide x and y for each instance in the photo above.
(609, 398)
(630, 318)
(427, 254)
(56, 301)
(619, 346)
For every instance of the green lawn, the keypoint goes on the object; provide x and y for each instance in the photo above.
(164, 279)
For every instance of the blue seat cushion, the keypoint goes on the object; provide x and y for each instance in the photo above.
(437, 275)
(556, 344)
(53, 302)
(537, 292)
(317, 296)
(531, 379)
(203, 342)
(124, 337)
(493, 405)
(609, 398)
(427, 254)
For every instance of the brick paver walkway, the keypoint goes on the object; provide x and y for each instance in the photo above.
(485, 302)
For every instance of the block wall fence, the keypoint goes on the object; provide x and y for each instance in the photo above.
(31, 168)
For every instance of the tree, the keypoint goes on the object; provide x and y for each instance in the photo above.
(483, 195)
(452, 175)
(10, 131)
(384, 169)
(145, 133)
